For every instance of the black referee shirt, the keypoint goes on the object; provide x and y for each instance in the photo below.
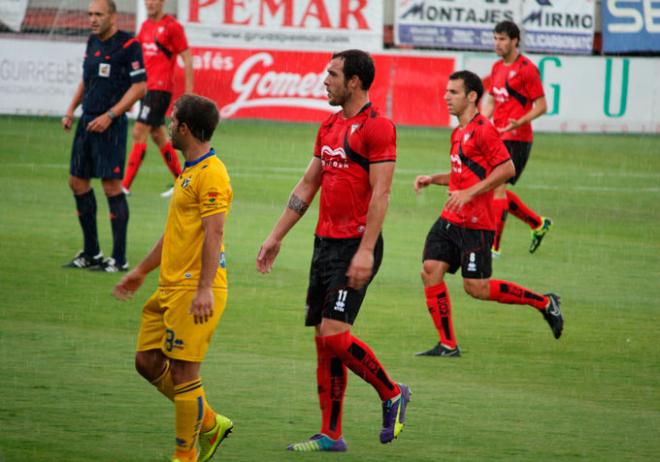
(109, 69)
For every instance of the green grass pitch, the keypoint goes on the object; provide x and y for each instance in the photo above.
(68, 390)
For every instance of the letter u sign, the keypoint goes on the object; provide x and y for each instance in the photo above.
(623, 100)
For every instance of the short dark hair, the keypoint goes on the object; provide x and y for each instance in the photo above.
(358, 62)
(508, 28)
(471, 82)
(200, 115)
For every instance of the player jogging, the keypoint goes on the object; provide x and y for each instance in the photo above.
(163, 39)
(463, 235)
(179, 319)
(353, 165)
(515, 98)
(113, 79)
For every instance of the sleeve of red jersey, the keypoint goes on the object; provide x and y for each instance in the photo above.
(178, 39)
(533, 82)
(317, 143)
(381, 140)
(137, 72)
(489, 89)
(492, 146)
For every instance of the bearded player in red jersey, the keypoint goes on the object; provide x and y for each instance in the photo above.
(162, 39)
(463, 235)
(515, 98)
(353, 165)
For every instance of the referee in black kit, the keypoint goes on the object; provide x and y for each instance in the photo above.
(113, 79)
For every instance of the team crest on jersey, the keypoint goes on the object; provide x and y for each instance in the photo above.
(104, 70)
(466, 137)
(333, 157)
(512, 74)
(185, 183)
(354, 127)
(161, 29)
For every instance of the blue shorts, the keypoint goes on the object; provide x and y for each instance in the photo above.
(99, 155)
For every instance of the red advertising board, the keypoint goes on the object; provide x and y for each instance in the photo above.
(288, 85)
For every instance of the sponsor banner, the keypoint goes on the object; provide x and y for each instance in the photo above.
(559, 26)
(631, 25)
(592, 94)
(462, 25)
(12, 13)
(38, 77)
(284, 24)
(288, 85)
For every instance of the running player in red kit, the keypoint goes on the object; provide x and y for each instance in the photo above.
(162, 39)
(463, 235)
(515, 98)
(353, 165)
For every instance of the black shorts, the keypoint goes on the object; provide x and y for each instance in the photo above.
(153, 107)
(466, 248)
(99, 155)
(519, 152)
(328, 296)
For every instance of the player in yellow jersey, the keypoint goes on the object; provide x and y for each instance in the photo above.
(181, 316)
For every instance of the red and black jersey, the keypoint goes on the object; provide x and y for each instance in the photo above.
(476, 150)
(161, 42)
(347, 148)
(514, 88)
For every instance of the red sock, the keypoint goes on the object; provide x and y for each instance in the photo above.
(521, 211)
(508, 292)
(500, 212)
(439, 305)
(331, 378)
(359, 358)
(171, 159)
(135, 159)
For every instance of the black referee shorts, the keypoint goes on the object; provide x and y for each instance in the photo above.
(99, 155)
(468, 249)
(519, 152)
(328, 295)
(153, 107)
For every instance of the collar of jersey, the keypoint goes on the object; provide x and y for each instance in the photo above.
(192, 163)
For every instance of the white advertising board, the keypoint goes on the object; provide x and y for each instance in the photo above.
(38, 77)
(593, 94)
(467, 24)
(560, 26)
(327, 25)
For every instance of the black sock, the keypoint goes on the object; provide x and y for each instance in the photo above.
(86, 206)
(119, 221)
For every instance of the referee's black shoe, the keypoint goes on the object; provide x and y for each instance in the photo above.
(84, 261)
(440, 350)
(109, 265)
(552, 314)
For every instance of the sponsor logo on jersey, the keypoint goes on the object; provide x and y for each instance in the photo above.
(501, 94)
(336, 158)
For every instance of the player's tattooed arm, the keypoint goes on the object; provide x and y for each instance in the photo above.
(297, 205)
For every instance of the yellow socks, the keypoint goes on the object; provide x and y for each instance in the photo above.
(189, 409)
(164, 382)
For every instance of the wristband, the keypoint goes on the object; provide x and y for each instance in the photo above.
(111, 114)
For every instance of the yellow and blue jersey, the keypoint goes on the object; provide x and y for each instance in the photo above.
(203, 189)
